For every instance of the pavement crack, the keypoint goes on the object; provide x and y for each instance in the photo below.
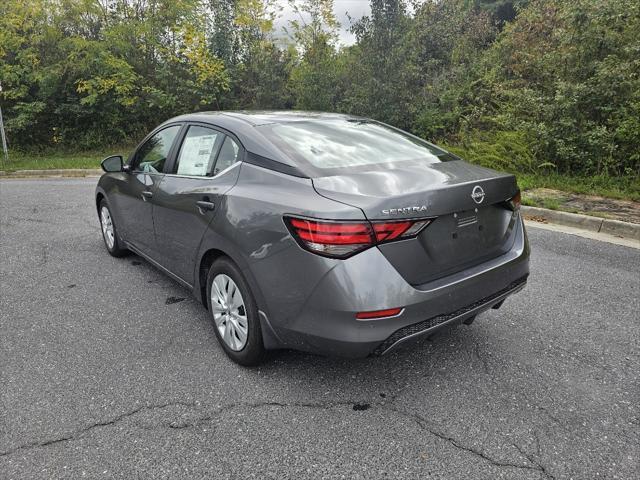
(424, 425)
(533, 461)
(482, 360)
(237, 406)
(29, 219)
(486, 369)
(81, 432)
(175, 425)
(550, 416)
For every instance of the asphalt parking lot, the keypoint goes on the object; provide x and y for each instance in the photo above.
(108, 369)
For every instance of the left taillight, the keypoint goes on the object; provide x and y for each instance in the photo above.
(342, 239)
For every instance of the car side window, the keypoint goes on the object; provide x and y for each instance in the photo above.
(228, 155)
(152, 155)
(198, 151)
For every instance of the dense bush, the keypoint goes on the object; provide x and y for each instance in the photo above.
(531, 86)
(568, 76)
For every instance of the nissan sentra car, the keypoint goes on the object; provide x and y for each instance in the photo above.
(319, 232)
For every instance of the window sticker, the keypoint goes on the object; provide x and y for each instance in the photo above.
(195, 155)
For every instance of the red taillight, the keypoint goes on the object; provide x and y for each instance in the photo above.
(515, 202)
(386, 231)
(389, 312)
(332, 233)
(332, 239)
(341, 239)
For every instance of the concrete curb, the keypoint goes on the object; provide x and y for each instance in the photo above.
(594, 224)
(67, 172)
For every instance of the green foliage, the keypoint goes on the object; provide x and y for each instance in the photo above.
(86, 73)
(313, 79)
(450, 39)
(377, 78)
(539, 87)
(500, 150)
(502, 10)
(621, 187)
(259, 70)
(567, 74)
(313, 82)
(261, 82)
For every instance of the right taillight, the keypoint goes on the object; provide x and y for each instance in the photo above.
(341, 239)
(387, 231)
(515, 201)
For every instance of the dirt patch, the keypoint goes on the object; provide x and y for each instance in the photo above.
(536, 218)
(624, 210)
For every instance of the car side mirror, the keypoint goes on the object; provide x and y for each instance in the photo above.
(113, 163)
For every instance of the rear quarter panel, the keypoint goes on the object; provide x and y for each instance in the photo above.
(250, 229)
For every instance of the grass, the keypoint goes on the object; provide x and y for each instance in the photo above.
(550, 203)
(31, 161)
(626, 188)
(623, 188)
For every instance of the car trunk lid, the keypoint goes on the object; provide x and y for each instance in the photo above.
(472, 222)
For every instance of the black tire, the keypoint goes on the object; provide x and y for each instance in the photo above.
(253, 353)
(115, 250)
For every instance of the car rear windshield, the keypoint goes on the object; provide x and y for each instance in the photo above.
(339, 143)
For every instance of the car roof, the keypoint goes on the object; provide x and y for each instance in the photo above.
(243, 123)
(263, 117)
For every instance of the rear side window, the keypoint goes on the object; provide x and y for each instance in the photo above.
(339, 143)
(198, 151)
(228, 155)
(152, 155)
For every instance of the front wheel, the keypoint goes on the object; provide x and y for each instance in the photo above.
(109, 233)
(234, 313)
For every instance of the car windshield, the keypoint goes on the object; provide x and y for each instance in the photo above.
(339, 143)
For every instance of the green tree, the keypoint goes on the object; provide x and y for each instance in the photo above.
(86, 73)
(377, 80)
(448, 40)
(567, 74)
(22, 37)
(313, 79)
(518, 84)
(262, 70)
(224, 38)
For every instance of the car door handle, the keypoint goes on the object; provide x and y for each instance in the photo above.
(203, 205)
(146, 194)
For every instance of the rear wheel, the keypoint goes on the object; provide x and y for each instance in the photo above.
(234, 313)
(109, 233)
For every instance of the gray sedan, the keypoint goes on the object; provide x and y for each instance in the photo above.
(320, 232)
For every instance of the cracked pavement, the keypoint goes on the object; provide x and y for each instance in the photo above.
(108, 369)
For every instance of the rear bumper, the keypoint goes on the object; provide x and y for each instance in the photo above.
(325, 322)
(431, 325)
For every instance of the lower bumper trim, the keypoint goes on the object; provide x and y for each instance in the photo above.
(426, 326)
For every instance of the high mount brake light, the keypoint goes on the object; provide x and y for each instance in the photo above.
(341, 239)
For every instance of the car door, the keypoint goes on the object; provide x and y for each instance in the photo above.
(135, 199)
(191, 194)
